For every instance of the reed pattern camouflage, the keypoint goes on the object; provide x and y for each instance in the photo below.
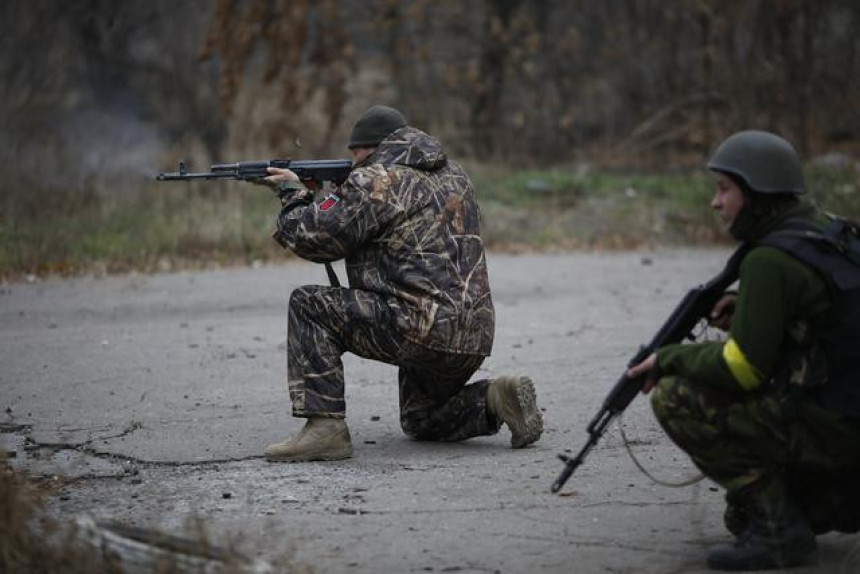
(435, 402)
(407, 223)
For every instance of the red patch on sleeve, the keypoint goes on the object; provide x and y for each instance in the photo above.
(329, 202)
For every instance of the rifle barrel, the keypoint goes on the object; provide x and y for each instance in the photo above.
(571, 464)
(180, 176)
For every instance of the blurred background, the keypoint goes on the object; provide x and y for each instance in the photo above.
(585, 124)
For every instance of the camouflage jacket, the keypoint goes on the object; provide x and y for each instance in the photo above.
(407, 223)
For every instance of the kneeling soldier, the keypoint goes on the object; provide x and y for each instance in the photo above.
(407, 223)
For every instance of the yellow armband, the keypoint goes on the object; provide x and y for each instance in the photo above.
(743, 371)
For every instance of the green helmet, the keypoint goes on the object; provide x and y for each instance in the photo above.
(765, 162)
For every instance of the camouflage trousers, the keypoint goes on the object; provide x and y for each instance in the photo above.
(435, 401)
(766, 448)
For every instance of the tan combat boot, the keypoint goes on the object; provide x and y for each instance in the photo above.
(512, 400)
(320, 439)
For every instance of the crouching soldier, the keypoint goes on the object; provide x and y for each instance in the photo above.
(773, 413)
(407, 223)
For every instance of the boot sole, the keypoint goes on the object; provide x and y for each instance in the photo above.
(532, 426)
(800, 554)
(310, 456)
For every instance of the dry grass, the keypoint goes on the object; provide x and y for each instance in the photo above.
(31, 542)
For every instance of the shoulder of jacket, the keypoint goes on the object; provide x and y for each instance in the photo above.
(767, 256)
(365, 173)
(374, 179)
(774, 264)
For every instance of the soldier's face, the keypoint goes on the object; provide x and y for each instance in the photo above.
(359, 154)
(728, 199)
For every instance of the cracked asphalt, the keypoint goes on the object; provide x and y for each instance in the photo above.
(149, 399)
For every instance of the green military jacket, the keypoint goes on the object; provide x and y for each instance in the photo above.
(778, 298)
(407, 223)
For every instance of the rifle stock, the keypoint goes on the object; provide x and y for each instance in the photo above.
(695, 306)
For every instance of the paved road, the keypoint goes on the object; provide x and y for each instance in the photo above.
(159, 392)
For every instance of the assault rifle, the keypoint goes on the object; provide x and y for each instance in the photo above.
(318, 170)
(695, 306)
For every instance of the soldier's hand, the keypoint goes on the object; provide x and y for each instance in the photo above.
(648, 369)
(284, 178)
(277, 176)
(721, 314)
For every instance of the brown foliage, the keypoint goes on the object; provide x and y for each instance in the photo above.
(120, 90)
(308, 50)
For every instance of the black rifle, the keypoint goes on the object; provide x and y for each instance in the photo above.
(318, 170)
(695, 306)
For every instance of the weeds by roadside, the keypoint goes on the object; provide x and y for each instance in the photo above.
(566, 209)
(32, 542)
(163, 227)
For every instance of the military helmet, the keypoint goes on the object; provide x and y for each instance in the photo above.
(765, 162)
(374, 126)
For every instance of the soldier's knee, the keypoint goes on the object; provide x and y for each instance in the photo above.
(301, 295)
(302, 300)
(662, 396)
